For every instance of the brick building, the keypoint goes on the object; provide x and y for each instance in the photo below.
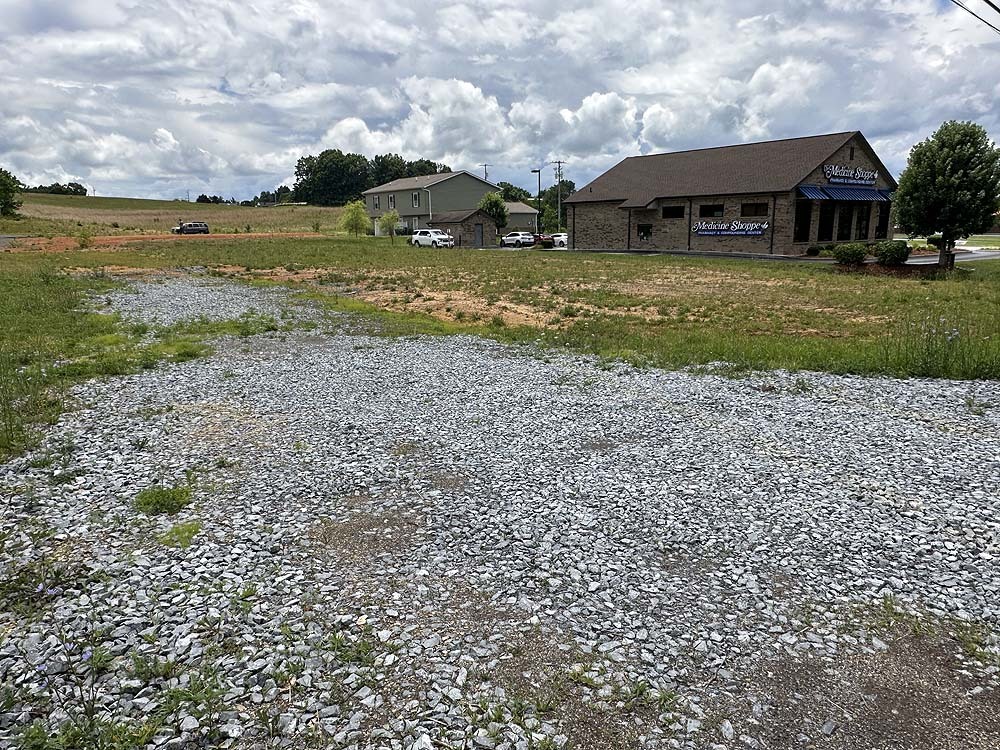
(469, 228)
(771, 198)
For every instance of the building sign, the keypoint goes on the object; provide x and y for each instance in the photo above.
(840, 174)
(730, 228)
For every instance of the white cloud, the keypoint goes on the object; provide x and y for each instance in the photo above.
(144, 98)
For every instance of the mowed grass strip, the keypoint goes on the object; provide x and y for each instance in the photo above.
(665, 311)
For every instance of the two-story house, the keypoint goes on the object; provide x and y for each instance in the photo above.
(418, 199)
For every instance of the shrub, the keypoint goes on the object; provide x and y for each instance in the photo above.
(935, 240)
(814, 250)
(157, 500)
(891, 252)
(850, 254)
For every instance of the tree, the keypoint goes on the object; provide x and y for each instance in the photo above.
(951, 185)
(493, 206)
(550, 197)
(202, 199)
(550, 219)
(355, 218)
(513, 193)
(387, 223)
(10, 186)
(386, 168)
(331, 179)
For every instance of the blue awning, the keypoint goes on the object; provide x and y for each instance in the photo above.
(840, 193)
(813, 192)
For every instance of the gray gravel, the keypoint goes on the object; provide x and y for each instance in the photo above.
(448, 542)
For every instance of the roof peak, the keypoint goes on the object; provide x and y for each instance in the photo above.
(845, 133)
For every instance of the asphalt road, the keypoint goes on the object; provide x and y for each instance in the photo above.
(961, 256)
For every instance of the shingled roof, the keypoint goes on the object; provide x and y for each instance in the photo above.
(767, 167)
(425, 181)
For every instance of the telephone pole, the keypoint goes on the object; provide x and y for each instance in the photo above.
(559, 177)
(486, 174)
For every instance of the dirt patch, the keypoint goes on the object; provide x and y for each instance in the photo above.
(115, 242)
(912, 696)
(364, 535)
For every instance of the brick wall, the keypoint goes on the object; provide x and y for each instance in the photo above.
(464, 232)
(597, 226)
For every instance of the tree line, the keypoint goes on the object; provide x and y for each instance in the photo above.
(56, 188)
(334, 178)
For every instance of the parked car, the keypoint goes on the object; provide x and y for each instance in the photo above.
(191, 227)
(517, 239)
(545, 240)
(561, 239)
(431, 238)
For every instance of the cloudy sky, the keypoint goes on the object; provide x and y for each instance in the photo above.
(152, 98)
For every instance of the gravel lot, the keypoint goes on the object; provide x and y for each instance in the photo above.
(447, 542)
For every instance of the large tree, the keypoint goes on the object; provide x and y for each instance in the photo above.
(512, 193)
(951, 185)
(10, 186)
(331, 179)
(386, 168)
(492, 204)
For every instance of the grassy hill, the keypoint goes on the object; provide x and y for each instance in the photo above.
(52, 215)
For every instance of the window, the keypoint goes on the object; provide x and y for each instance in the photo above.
(753, 209)
(882, 226)
(827, 212)
(392, 201)
(416, 198)
(673, 212)
(803, 221)
(852, 153)
(376, 202)
(645, 231)
(711, 210)
(845, 221)
(864, 218)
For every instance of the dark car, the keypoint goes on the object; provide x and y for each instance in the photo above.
(545, 240)
(191, 227)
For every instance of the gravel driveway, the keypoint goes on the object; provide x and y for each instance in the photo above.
(448, 542)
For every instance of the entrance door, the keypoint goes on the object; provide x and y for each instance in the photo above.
(479, 235)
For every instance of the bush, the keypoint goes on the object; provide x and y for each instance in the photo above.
(935, 240)
(891, 252)
(158, 499)
(850, 254)
(814, 250)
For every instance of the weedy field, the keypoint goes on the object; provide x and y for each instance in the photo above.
(72, 215)
(731, 316)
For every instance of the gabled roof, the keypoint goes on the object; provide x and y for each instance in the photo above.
(516, 207)
(416, 183)
(766, 167)
(452, 217)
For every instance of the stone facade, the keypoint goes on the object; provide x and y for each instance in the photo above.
(464, 231)
(606, 226)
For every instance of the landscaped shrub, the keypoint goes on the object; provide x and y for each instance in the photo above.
(813, 250)
(158, 499)
(935, 240)
(891, 252)
(850, 253)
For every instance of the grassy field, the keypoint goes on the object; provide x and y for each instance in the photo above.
(71, 215)
(663, 311)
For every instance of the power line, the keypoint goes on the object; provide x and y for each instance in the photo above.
(973, 13)
(992, 5)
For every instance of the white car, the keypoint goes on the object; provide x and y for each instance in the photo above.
(517, 239)
(561, 239)
(431, 238)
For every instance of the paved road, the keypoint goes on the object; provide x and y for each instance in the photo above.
(961, 256)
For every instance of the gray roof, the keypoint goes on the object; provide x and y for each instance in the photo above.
(516, 207)
(415, 183)
(452, 217)
(767, 167)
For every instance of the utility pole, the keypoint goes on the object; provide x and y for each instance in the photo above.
(559, 177)
(486, 174)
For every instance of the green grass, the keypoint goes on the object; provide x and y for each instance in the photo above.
(76, 216)
(181, 534)
(159, 500)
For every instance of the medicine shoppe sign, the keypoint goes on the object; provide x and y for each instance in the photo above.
(840, 174)
(730, 228)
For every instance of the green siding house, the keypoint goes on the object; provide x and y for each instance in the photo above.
(418, 199)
